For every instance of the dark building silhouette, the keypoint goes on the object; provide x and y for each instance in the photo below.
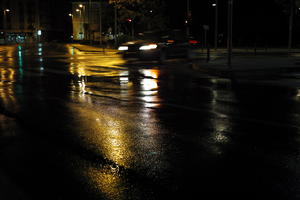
(34, 20)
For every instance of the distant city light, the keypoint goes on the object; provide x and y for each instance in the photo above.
(70, 15)
(39, 32)
(77, 10)
(7, 10)
(214, 4)
(80, 5)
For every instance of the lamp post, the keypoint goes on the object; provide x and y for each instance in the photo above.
(5, 11)
(82, 12)
(89, 20)
(291, 23)
(100, 22)
(216, 5)
(116, 18)
(72, 22)
(188, 16)
(229, 31)
(80, 23)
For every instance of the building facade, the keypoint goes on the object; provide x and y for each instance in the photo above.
(31, 20)
(86, 20)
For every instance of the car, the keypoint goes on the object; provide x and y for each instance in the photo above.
(153, 46)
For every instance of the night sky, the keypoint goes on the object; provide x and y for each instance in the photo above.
(255, 21)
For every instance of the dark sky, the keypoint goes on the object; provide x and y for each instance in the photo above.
(262, 21)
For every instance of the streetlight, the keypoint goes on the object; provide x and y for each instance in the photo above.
(100, 22)
(188, 16)
(216, 5)
(89, 20)
(132, 28)
(291, 22)
(5, 11)
(82, 14)
(229, 29)
(80, 22)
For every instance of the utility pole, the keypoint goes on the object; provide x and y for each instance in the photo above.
(291, 23)
(100, 21)
(188, 16)
(38, 24)
(229, 31)
(89, 20)
(216, 23)
(5, 11)
(116, 41)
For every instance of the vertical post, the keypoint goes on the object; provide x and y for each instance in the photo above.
(89, 21)
(132, 29)
(116, 41)
(291, 22)
(5, 11)
(100, 22)
(4, 24)
(229, 36)
(188, 13)
(37, 11)
(216, 24)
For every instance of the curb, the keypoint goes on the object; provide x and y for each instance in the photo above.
(242, 72)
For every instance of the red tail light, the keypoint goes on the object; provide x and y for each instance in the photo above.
(193, 42)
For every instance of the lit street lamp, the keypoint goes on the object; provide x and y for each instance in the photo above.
(5, 11)
(82, 14)
(80, 21)
(132, 27)
(216, 5)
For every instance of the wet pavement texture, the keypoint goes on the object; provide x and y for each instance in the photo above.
(91, 126)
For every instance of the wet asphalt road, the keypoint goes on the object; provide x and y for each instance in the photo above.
(90, 126)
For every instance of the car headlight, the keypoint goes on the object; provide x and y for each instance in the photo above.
(148, 47)
(123, 48)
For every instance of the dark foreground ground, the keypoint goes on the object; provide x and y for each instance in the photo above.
(84, 125)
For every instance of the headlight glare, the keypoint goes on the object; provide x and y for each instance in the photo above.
(148, 47)
(123, 48)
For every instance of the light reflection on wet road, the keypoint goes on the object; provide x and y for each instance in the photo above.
(91, 126)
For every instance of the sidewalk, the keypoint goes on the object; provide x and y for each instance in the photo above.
(250, 65)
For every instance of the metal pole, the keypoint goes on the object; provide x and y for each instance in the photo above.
(116, 41)
(4, 24)
(229, 37)
(100, 21)
(89, 20)
(132, 29)
(216, 24)
(291, 22)
(187, 17)
(37, 10)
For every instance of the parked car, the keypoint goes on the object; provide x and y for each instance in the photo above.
(153, 46)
